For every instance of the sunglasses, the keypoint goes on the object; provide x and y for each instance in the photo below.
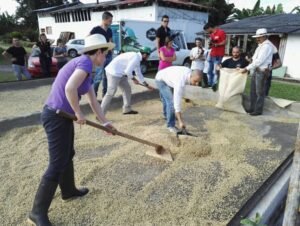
(165, 21)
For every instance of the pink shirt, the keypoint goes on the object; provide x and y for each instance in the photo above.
(167, 53)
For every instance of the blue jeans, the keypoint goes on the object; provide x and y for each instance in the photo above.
(101, 76)
(257, 92)
(212, 76)
(19, 70)
(166, 97)
(60, 135)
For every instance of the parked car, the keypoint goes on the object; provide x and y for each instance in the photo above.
(34, 66)
(74, 46)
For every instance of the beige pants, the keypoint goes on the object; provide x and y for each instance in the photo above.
(112, 84)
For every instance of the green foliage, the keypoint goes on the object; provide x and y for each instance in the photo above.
(16, 34)
(221, 10)
(255, 222)
(296, 10)
(257, 10)
(7, 23)
(25, 12)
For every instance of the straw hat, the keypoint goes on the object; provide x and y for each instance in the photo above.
(96, 41)
(260, 32)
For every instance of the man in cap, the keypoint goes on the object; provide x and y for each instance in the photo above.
(176, 77)
(118, 71)
(260, 66)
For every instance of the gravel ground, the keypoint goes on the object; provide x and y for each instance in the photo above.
(211, 177)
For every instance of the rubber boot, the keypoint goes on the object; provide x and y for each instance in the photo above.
(67, 184)
(41, 204)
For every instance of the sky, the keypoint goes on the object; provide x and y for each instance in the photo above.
(288, 5)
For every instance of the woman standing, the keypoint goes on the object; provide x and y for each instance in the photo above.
(60, 53)
(45, 55)
(72, 81)
(166, 54)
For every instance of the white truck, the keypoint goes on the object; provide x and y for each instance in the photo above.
(131, 35)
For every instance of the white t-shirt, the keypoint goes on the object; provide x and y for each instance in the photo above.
(176, 77)
(197, 63)
(125, 64)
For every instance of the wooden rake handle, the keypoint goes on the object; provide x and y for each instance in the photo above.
(116, 132)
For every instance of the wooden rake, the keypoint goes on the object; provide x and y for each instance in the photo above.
(159, 152)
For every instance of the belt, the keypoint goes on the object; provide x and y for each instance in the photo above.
(50, 108)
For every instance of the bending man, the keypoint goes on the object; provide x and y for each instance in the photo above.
(118, 71)
(175, 77)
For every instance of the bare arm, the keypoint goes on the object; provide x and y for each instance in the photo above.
(6, 54)
(95, 105)
(72, 85)
(157, 45)
(277, 64)
(167, 59)
(180, 120)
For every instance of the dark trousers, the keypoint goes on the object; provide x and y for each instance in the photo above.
(45, 65)
(257, 92)
(268, 84)
(61, 64)
(60, 135)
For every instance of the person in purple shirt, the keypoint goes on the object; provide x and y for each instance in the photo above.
(72, 81)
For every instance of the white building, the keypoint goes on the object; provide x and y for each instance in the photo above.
(80, 18)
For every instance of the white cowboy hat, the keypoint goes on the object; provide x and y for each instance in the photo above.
(96, 41)
(260, 32)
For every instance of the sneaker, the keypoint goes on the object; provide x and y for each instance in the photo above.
(130, 113)
(214, 87)
(173, 129)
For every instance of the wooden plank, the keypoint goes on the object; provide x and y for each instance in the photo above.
(293, 198)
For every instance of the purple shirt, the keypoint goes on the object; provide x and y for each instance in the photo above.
(167, 53)
(57, 98)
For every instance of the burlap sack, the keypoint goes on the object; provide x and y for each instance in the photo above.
(231, 85)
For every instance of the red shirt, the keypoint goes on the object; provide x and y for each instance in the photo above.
(217, 37)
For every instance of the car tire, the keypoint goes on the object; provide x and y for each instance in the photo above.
(187, 63)
(73, 53)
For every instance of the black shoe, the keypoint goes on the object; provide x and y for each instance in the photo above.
(249, 111)
(67, 185)
(214, 87)
(130, 113)
(255, 113)
(43, 198)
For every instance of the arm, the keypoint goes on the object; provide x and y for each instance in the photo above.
(72, 85)
(191, 55)
(262, 54)
(277, 62)
(133, 63)
(167, 59)
(157, 45)
(223, 42)
(6, 54)
(178, 93)
(96, 106)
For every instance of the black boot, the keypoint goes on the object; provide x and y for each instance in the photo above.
(41, 204)
(67, 184)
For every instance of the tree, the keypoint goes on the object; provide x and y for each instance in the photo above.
(256, 11)
(296, 10)
(221, 10)
(7, 23)
(25, 11)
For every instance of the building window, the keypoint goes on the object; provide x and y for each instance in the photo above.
(62, 17)
(78, 16)
(49, 30)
